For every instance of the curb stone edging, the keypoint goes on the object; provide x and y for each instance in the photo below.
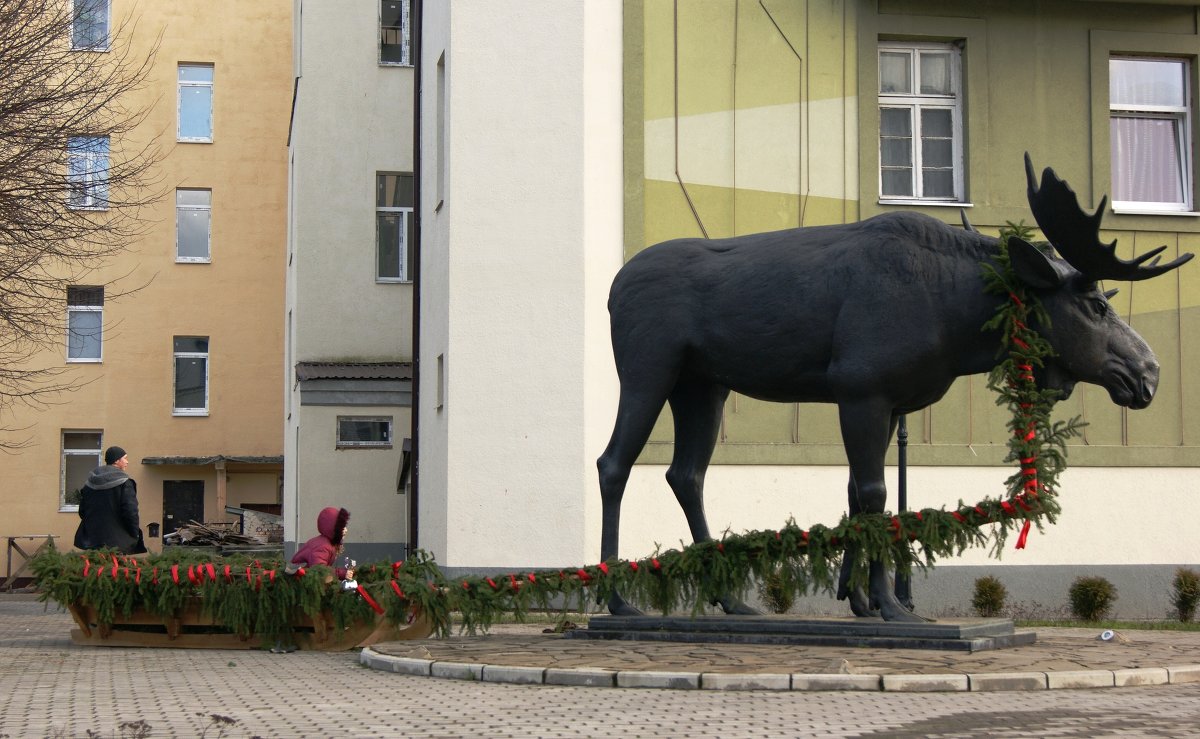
(949, 682)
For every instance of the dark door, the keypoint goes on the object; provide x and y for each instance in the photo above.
(183, 501)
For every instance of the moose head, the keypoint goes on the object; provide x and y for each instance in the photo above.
(1091, 343)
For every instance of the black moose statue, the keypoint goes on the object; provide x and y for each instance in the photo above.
(878, 316)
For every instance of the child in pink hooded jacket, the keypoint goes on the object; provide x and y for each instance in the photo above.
(324, 548)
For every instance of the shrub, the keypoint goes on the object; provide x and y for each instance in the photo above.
(776, 594)
(1185, 593)
(1091, 598)
(989, 596)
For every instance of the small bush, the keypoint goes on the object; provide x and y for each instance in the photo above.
(989, 597)
(776, 594)
(1185, 593)
(1091, 598)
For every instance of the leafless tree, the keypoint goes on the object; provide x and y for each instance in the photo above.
(74, 179)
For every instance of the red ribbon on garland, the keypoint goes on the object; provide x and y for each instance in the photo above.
(1024, 535)
(370, 601)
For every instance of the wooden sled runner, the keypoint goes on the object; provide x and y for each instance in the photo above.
(192, 629)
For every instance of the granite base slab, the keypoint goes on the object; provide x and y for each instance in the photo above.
(967, 634)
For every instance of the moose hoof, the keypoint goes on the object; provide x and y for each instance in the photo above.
(892, 610)
(860, 606)
(734, 607)
(618, 606)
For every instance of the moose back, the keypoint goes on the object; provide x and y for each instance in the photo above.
(879, 317)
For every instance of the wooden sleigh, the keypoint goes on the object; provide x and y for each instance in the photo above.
(190, 628)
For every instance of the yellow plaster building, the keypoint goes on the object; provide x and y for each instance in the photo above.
(183, 372)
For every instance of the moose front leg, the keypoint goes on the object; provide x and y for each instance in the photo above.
(860, 605)
(866, 433)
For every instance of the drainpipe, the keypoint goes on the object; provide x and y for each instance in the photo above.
(415, 470)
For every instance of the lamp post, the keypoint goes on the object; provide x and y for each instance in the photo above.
(903, 586)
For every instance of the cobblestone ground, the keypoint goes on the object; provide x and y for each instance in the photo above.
(50, 687)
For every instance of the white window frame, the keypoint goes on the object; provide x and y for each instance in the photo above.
(87, 173)
(176, 356)
(94, 454)
(405, 34)
(406, 213)
(1182, 115)
(74, 309)
(181, 209)
(341, 443)
(915, 102)
(103, 45)
(183, 85)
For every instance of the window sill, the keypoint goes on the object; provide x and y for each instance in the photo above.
(189, 414)
(1146, 212)
(192, 260)
(344, 447)
(96, 208)
(402, 65)
(193, 141)
(926, 203)
(392, 281)
(68, 509)
(84, 360)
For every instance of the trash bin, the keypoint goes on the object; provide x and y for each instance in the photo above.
(152, 529)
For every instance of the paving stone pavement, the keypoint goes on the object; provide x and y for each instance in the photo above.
(50, 687)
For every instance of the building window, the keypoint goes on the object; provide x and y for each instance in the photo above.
(191, 376)
(85, 323)
(193, 225)
(393, 227)
(87, 172)
(361, 431)
(395, 36)
(90, 21)
(920, 122)
(196, 102)
(1150, 133)
(80, 455)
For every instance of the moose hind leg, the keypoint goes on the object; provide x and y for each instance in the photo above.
(696, 406)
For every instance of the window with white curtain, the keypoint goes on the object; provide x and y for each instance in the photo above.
(1150, 133)
(920, 122)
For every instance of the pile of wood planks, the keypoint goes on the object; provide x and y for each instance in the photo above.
(194, 533)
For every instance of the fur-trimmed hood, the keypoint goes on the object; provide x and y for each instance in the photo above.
(331, 521)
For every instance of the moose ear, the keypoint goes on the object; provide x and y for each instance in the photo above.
(1032, 266)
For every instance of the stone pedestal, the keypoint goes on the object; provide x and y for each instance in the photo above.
(965, 634)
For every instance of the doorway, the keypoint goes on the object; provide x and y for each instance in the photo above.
(183, 501)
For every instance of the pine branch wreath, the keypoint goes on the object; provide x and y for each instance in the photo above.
(255, 597)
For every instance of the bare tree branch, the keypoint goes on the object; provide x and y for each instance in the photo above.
(63, 216)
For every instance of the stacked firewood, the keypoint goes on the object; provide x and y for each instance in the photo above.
(194, 533)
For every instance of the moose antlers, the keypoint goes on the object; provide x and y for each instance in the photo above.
(1075, 234)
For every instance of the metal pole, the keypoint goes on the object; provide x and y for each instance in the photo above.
(903, 586)
(415, 37)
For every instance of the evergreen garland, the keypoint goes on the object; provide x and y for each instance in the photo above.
(253, 597)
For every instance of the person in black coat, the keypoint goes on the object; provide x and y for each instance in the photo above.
(109, 507)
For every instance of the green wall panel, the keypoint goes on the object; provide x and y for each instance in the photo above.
(1035, 76)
